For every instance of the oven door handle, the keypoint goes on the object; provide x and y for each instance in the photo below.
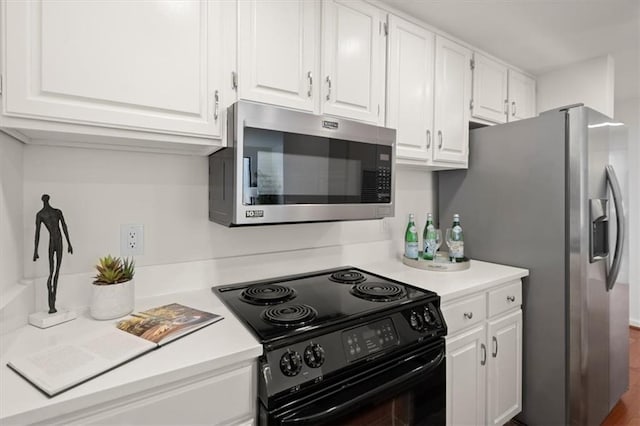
(335, 411)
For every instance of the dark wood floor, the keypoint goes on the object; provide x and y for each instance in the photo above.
(627, 411)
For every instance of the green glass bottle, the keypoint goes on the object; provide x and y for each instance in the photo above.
(456, 243)
(429, 239)
(411, 239)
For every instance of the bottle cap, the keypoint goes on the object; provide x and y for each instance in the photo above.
(429, 215)
(456, 216)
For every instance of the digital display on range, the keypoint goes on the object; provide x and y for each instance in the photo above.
(363, 341)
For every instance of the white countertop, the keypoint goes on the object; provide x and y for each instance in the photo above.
(449, 285)
(216, 347)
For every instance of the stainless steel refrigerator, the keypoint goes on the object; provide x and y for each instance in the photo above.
(540, 194)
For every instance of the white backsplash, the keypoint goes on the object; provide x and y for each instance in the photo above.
(98, 190)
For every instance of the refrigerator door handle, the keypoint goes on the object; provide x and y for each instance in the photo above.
(612, 181)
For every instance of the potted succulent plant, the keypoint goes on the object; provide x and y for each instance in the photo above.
(113, 293)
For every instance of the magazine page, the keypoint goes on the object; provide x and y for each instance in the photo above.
(63, 366)
(167, 323)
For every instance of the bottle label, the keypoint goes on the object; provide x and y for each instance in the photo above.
(456, 250)
(411, 249)
(457, 232)
(429, 249)
(412, 229)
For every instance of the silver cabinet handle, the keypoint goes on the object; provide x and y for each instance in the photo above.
(511, 298)
(612, 181)
(440, 139)
(506, 107)
(310, 78)
(428, 139)
(216, 108)
(329, 90)
(483, 348)
(468, 315)
(495, 345)
(513, 108)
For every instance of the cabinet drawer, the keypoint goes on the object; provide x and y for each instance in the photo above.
(464, 313)
(505, 298)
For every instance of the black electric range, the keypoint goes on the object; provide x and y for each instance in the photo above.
(321, 328)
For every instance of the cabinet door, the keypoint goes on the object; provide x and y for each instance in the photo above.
(505, 368)
(353, 72)
(466, 377)
(522, 96)
(143, 65)
(228, 398)
(489, 89)
(410, 88)
(453, 94)
(278, 52)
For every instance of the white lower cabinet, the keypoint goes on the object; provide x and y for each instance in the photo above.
(466, 377)
(504, 395)
(214, 398)
(484, 356)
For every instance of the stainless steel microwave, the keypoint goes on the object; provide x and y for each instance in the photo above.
(285, 166)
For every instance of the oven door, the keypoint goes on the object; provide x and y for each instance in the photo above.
(408, 390)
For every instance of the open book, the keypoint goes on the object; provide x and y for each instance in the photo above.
(58, 368)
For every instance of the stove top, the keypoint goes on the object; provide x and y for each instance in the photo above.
(281, 307)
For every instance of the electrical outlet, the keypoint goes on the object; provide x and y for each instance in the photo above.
(131, 240)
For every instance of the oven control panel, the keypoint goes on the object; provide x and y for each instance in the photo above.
(425, 319)
(363, 341)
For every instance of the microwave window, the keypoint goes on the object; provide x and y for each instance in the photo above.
(288, 168)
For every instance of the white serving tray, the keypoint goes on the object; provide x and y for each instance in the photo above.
(441, 263)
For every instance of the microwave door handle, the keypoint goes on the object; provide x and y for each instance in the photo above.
(612, 181)
(339, 409)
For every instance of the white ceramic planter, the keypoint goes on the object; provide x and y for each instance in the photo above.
(112, 301)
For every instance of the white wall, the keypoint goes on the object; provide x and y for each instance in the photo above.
(15, 297)
(628, 111)
(98, 190)
(590, 82)
(11, 213)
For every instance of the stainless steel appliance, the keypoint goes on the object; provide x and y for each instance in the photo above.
(344, 346)
(536, 196)
(283, 166)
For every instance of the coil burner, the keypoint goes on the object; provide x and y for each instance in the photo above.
(347, 277)
(378, 292)
(290, 315)
(270, 294)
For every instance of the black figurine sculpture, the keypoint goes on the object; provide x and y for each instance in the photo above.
(52, 219)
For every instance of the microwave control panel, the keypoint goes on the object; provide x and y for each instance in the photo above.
(383, 182)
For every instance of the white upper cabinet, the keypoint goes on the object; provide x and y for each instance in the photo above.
(490, 96)
(410, 71)
(279, 51)
(353, 72)
(501, 94)
(147, 66)
(522, 96)
(453, 95)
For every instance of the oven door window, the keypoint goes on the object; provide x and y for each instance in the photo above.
(288, 168)
(408, 392)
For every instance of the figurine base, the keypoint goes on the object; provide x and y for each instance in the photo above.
(46, 320)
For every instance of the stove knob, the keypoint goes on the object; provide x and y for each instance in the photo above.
(314, 355)
(429, 318)
(416, 321)
(290, 363)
